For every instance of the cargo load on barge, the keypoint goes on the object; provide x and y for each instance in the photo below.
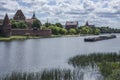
(99, 38)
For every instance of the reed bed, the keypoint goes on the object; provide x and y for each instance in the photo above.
(93, 58)
(54, 74)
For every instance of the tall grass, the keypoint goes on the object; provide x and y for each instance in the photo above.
(54, 74)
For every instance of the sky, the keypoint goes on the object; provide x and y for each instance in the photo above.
(97, 12)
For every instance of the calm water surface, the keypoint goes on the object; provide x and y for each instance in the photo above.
(38, 54)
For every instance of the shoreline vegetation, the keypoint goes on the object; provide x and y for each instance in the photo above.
(39, 37)
(108, 63)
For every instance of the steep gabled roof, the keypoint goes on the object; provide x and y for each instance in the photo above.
(19, 15)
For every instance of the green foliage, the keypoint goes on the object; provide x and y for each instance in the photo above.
(85, 30)
(96, 31)
(108, 30)
(59, 25)
(89, 30)
(72, 31)
(115, 75)
(63, 31)
(107, 62)
(18, 25)
(22, 25)
(55, 29)
(36, 24)
(48, 24)
(107, 68)
(43, 27)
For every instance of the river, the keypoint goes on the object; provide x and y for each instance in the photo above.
(37, 54)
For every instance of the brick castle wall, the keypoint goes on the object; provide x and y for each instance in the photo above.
(22, 32)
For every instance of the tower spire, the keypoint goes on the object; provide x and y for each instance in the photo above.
(34, 17)
(6, 20)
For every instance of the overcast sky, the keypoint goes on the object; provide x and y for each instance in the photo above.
(98, 12)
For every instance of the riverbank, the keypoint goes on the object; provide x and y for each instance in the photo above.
(19, 38)
(33, 37)
(38, 37)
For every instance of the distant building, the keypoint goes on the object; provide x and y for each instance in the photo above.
(87, 24)
(71, 24)
(7, 30)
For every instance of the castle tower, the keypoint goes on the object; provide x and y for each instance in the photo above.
(6, 27)
(87, 24)
(19, 16)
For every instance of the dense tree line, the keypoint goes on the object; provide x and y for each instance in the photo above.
(58, 29)
(108, 30)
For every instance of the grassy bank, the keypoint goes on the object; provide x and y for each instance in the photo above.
(33, 37)
(23, 37)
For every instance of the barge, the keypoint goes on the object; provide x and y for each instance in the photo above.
(99, 38)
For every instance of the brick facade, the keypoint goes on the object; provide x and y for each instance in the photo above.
(6, 29)
(22, 32)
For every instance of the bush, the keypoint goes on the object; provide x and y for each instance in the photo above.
(55, 29)
(72, 31)
(63, 31)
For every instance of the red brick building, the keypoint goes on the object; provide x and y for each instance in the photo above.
(71, 24)
(7, 30)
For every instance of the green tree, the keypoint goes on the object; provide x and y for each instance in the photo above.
(36, 24)
(59, 25)
(72, 31)
(89, 30)
(85, 30)
(97, 31)
(63, 31)
(55, 29)
(21, 25)
(47, 24)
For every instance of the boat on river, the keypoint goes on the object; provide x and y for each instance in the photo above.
(99, 38)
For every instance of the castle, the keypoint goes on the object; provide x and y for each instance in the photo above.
(7, 30)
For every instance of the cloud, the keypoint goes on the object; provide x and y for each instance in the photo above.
(98, 12)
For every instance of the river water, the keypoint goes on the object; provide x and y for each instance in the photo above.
(37, 54)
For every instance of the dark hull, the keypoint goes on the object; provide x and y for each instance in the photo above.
(99, 38)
